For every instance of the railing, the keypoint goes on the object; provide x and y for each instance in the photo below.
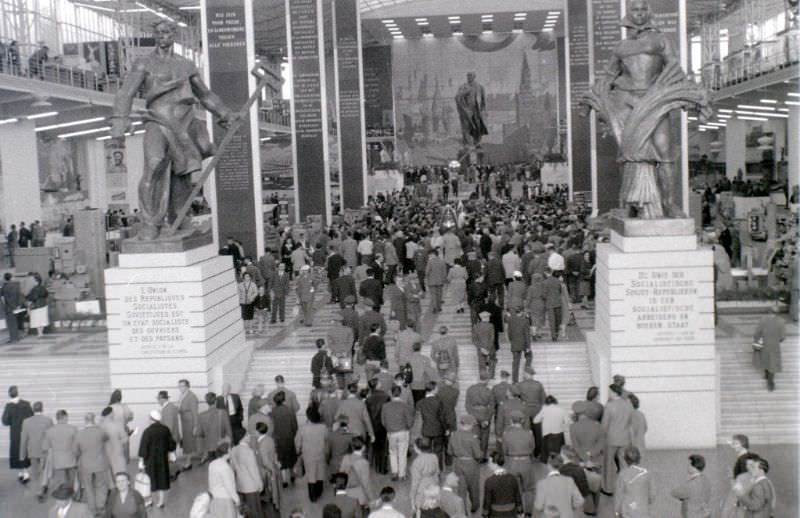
(753, 61)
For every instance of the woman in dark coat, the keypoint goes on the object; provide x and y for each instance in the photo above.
(16, 411)
(154, 450)
(284, 429)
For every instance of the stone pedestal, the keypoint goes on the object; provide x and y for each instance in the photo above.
(173, 316)
(654, 324)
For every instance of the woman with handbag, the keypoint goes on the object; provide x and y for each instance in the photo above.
(37, 299)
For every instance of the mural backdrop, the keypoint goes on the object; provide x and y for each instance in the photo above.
(519, 73)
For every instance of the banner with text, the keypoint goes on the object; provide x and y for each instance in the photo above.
(606, 33)
(350, 91)
(378, 103)
(580, 159)
(229, 74)
(309, 108)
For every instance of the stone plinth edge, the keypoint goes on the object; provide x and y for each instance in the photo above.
(629, 227)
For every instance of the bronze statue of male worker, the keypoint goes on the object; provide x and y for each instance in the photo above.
(643, 82)
(175, 142)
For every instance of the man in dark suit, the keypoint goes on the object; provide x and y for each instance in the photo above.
(321, 361)
(10, 299)
(518, 326)
(367, 320)
(495, 279)
(333, 265)
(533, 394)
(448, 393)
(435, 278)
(345, 286)
(233, 405)
(279, 286)
(434, 421)
(372, 289)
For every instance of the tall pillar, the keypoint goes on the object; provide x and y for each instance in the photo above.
(309, 109)
(735, 134)
(793, 147)
(349, 94)
(236, 184)
(19, 173)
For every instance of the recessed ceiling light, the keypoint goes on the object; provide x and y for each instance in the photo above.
(388, 21)
(754, 107)
(453, 17)
(547, 29)
(793, 94)
(725, 110)
(769, 101)
(783, 109)
(745, 118)
(792, 103)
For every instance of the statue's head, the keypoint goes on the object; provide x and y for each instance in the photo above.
(470, 77)
(639, 12)
(164, 33)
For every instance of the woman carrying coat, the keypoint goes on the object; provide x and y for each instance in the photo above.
(312, 447)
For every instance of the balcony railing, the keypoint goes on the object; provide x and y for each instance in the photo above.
(753, 61)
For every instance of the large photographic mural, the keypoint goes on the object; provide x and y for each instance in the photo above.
(519, 74)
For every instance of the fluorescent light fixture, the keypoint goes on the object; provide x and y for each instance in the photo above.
(428, 35)
(769, 101)
(725, 117)
(8, 121)
(189, 8)
(181, 24)
(453, 17)
(458, 33)
(41, 115)
(551, 13)
(420, 19)
(792, 103)
(398, 36)
(717, 124)
(68, 124)
(139, 132)
(517, 31)
(702, 130)
(691, 118)
(84, 132)
(552, 17)
(487, 17)
(725, 110)
(745, 118)
(522, 15)
(754, 107)
(423, 24)
(783, 109)
(388, 20)
(87, 6)
(547, 29)
(157, 13)
(106, 137)
(793, 94)
(762, 114)
(487, 31)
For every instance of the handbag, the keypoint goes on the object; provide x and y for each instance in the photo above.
(142, 484)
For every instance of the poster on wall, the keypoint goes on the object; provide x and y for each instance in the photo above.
(116, 171)
(518, 73)
(63, 190)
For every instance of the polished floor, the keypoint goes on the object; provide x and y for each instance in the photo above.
(44, 369)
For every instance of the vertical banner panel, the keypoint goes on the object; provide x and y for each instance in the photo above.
(378, 102)
(349, 93)
(229, 77)
(580, 153)
(606, 15)
(309, 108)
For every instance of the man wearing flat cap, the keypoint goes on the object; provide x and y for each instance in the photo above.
(65, 506)
(155, 449)
(465, 450)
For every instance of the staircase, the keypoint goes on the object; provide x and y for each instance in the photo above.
(77, 384)
(746, 407)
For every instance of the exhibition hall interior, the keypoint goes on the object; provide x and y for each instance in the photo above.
(399, 258)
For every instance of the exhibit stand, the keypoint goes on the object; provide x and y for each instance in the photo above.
(173, 316)
(654, 324)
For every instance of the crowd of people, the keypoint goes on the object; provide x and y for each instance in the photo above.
(381, 407)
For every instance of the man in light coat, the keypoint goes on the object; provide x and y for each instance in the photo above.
(92, 464)
(435, 278)
(188, 409)
(30, 446)
(616, 424)
(117, 443)
(248, 476)
(305, 294)
(559, 491)
(59, 442)
(694, 493)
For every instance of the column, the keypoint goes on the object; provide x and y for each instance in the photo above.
(735, 134)
(793, 147)
(20, 198)
(236, 184)
(579, 140)
(349, 94)
(309, 109)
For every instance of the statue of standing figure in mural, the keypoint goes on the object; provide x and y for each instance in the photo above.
(471, 105)
(175, 141)
(643, 82)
